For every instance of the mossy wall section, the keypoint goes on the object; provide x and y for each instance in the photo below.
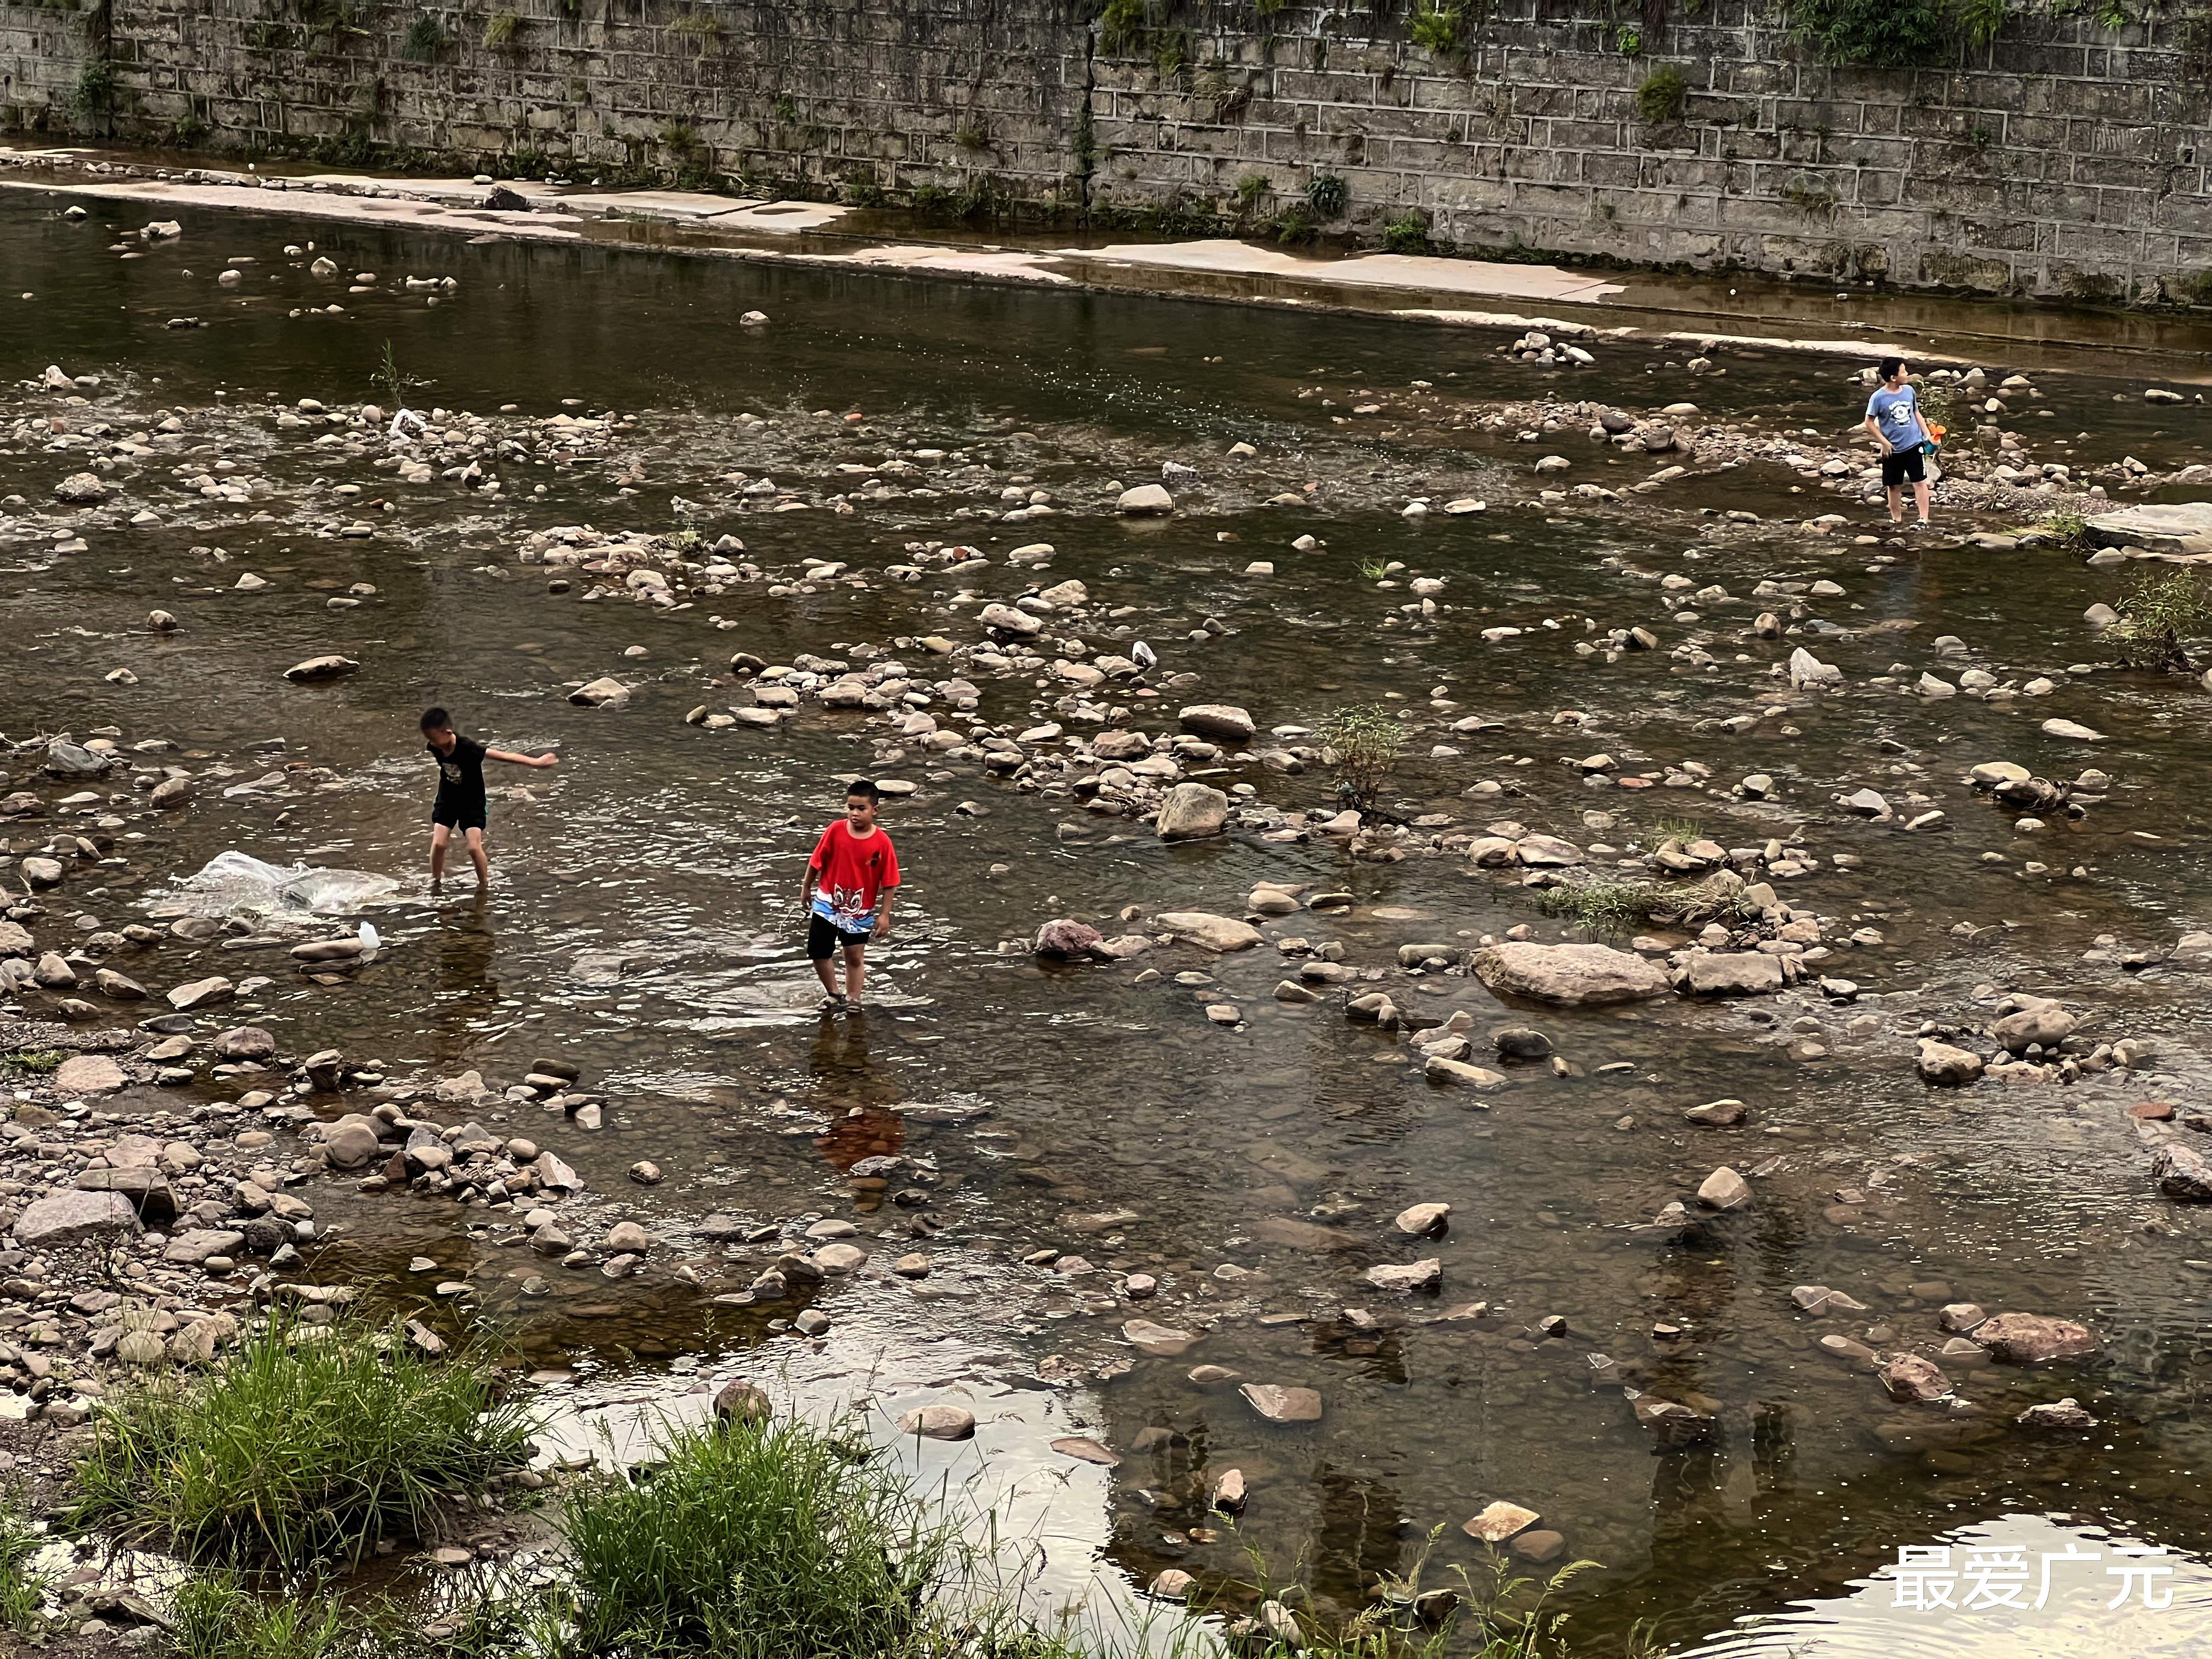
(2063, 158)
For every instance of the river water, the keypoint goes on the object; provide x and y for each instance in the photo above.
(1252, 1170)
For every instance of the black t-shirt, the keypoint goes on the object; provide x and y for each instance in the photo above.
(460, 774)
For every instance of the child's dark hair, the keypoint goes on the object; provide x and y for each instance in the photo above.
(436, 719)
(865, 787)
(1889, 367)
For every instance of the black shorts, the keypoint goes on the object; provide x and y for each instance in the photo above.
(458, 816)
(824, 937)
(1904, 465)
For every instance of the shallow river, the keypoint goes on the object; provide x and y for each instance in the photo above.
(1254, 1169)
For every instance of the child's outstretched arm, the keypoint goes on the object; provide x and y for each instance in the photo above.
(549, 758)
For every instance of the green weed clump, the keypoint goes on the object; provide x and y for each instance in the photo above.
(1604, 907)
(1662, 96)
(2160, 616)
(305, 1443)
(22, 1591)
(1876, 34)
(755, 1541)
(1367, 743)
(1437, 29)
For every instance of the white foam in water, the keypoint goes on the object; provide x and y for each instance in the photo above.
(235, 882)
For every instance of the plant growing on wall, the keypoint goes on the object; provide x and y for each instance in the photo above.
(425, 42)
(1437, 29)
(1875, 33)
(1662, 96)
(701, 28)
(1408, 232)
(499, 31)
(1979, 20)
(1121, 26)
(1628, 41)
(1327, 195)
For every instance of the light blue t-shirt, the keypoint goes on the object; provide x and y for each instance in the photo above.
(1897, 413)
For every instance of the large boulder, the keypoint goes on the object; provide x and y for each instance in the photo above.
(351, 1142)
(1223, 722)
(73, 1218)
(1940, 1063)
(1570, 975)
(1145, 500)
(83, 490)
(1067, 937)
(1193, 810)
(2182, 1172)
(245, 1043)
(1208, 932)
(2031, 1339)
(2042, 1023)
(145, 1187)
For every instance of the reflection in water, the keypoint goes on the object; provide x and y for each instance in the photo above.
(852, 1094)
(465, 993)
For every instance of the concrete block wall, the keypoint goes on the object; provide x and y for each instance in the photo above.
(2063, 158)
(43, 51)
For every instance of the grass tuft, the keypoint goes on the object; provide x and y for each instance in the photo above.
(294, 1449)
(1366, 744)
(2159, 615)
(754, 1541)
(1607, 907)
(22, 1591)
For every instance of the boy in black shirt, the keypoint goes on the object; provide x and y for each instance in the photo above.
(460, 802)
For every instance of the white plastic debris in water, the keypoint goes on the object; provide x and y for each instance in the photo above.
(370, 941)
(235, 882)
(404, 418)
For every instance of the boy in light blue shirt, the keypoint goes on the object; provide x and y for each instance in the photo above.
(1893, 415)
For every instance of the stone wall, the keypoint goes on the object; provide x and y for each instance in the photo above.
(2064, 159)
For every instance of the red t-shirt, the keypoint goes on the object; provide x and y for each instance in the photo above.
(850, 875)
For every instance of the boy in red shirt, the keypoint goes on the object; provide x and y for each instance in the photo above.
(853, 871)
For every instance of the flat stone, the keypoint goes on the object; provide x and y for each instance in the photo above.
(2160, 527)
(1732, 974)
(1160, 1341)
(71, 1218)
(1500, 1522)
(938, 1423)
(1223, 722)
(1279, 1404)
(1403, 1277)
(1570, 974)
(1218, 934)
(88, 1075)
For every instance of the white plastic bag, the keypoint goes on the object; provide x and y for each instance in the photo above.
(236, 882)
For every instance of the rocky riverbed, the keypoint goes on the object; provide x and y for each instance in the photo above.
(1727, 1107)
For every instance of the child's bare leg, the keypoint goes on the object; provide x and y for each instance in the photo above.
(1921, 492)
(1897, 505)
(856, 971)
(440, 834)
(478, 857)
(826, 971)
